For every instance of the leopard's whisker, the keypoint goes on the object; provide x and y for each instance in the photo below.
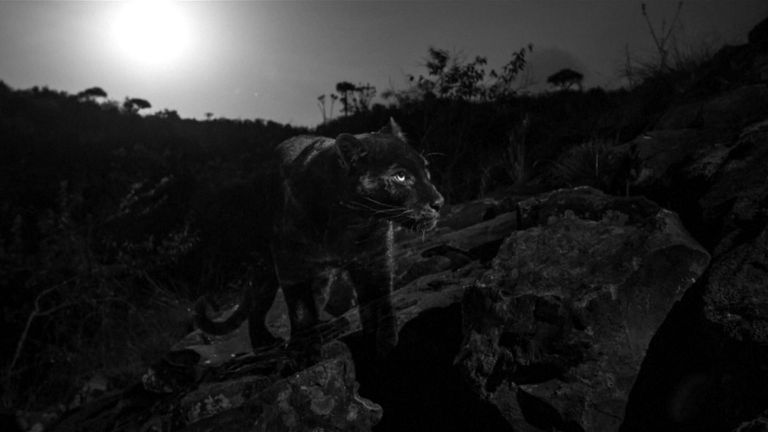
(383, 204)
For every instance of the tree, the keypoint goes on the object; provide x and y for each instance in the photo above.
(134, 105)
(92, 93)
(364, 94)
(449, 76)
(506, 81)
(565, 79)
(321, 106)
(344, 89)
(168, 114)
(334, 98)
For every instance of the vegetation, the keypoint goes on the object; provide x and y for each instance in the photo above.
(102, 243)
(566, 78)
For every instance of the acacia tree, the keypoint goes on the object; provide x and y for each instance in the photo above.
(134, 105)
(566, 78)
(92, 93)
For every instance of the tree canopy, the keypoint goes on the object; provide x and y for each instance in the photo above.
(566, 78)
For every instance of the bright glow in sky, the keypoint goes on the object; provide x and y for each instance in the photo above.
(272, 59)
(151, 34)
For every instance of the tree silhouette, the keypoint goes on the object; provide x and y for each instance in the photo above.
(92, 93)
(334, 98)
(364, 95)
(344, 89)
(565, 79)
(321, 106)
(452, 77)
(503, 86)
(134, 105)
(449, 76)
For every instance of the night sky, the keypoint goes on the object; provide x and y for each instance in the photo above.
(272, 60)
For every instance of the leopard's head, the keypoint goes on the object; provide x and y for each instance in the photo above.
(390, 179)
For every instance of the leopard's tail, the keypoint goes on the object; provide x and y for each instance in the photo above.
(206, 324)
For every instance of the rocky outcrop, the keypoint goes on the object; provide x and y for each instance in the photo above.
(244, 394)
(736, 107)
(706, 368)
(557, 328)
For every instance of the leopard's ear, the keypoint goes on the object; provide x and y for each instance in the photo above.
(392, 128)
(351, 150)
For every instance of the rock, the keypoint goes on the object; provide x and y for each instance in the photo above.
(714, 179)
(759, 424)
(323, 396)
(658, 151)
(242, 395)
(735, 295)
(706, 368)
(556, 330)
(735, 203)
(731, 109)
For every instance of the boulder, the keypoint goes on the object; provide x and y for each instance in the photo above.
(657, 152)
(758, 424)
(730, 109)
(321, 397)
(557, 328)
(706, 368)
(242, 395)
(715, 179)
(735, 204)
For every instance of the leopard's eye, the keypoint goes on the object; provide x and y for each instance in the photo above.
(400, 177)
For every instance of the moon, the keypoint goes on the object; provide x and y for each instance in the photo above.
(151, 34)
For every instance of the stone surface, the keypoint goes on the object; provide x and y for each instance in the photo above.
(736, 201)
(245, 394)
(557, 329)
(706, 368)
(731, 109)
(759, 424)
(321, 397)
(659, 152)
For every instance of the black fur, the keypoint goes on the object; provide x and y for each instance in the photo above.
(333, 211)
